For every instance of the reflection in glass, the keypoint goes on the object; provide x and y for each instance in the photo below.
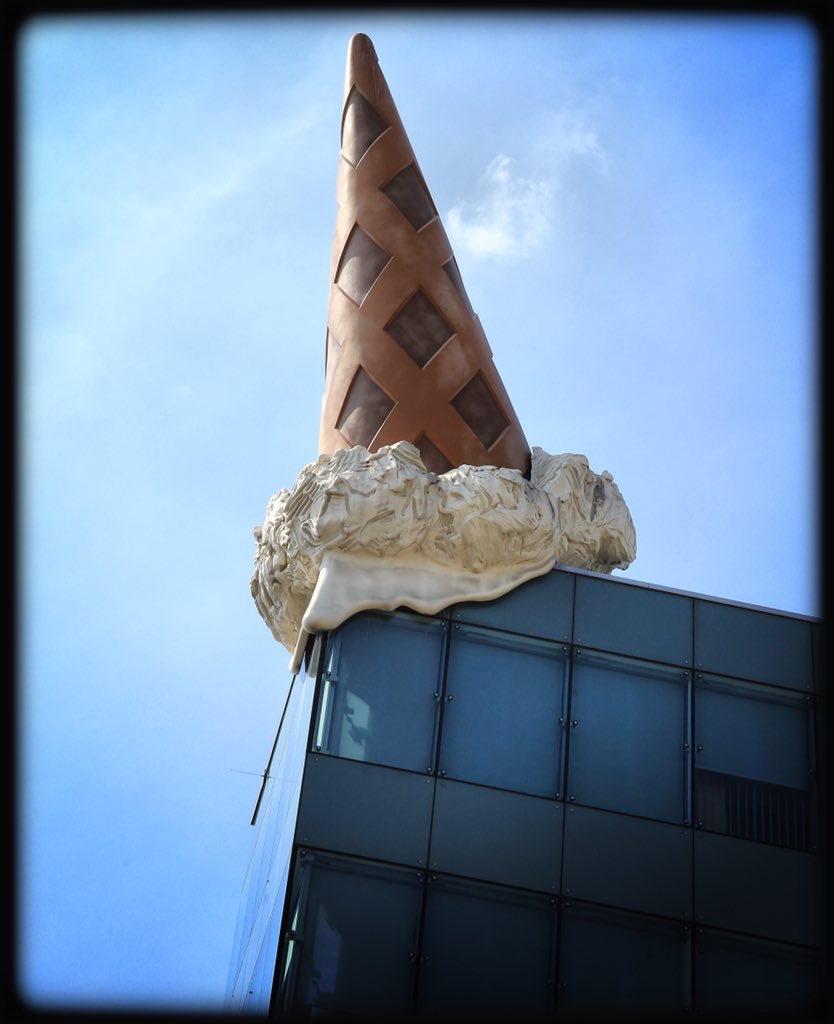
(354, 925)
(325, 960)
(356, 727)
(378, 704)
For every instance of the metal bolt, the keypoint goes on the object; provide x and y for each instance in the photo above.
(450, 697)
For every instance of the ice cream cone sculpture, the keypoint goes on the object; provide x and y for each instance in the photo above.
(406, 357)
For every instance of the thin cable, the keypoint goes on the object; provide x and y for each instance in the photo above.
(272, 752)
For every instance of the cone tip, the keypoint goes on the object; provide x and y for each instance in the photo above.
(360, 48)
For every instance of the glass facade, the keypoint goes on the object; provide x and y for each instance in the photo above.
(265, 885)
(753, 763)
(379, 693)
(589, 794)
(350, 942)
(613, 961)
(503, 699)
(628, 736)
(485, 948)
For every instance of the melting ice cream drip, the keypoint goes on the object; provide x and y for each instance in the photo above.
(377, 530)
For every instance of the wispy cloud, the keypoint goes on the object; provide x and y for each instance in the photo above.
(511, 215)
(567, 135)
(510, 219)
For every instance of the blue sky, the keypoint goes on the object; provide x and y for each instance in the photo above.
(632, 203)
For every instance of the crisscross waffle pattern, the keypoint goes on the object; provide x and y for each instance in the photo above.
(421, 367)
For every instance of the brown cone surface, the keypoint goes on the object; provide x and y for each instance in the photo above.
(407, 359)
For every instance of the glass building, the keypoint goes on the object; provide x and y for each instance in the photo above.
(591, 794)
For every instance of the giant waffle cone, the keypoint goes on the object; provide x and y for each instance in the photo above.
(407, 359)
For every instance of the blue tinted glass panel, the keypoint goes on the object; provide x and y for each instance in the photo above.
(525, 851)
(378, 691)
(257, 995)
(485, 949)
(751, 644)
(763, 890)
(628, 862)
(627, 746)
(611, 961)
(265, 883)
(353, 933)
(541, 607)
(633, 620)
(502, 708)
(752, 760)
(365, 810)
(738, 975)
